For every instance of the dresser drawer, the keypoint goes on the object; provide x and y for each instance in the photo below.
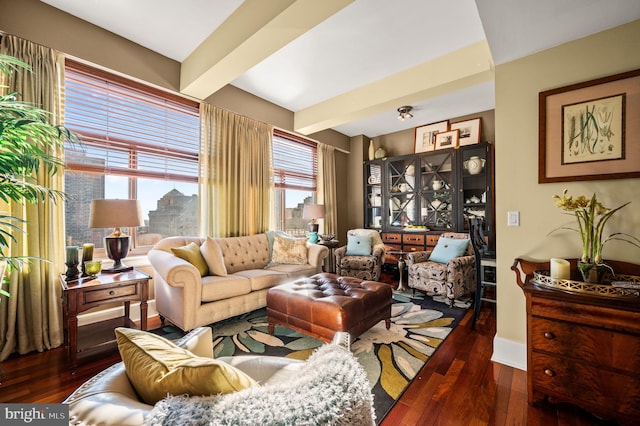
(393, 238)
(413, 239)
(588, 344)
(110, 293)
(574, 381)
(432, 240)
(413, 248)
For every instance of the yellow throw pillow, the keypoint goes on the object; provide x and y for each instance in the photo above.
(212, 254)
(191, 253)
(157, 367)
(289, 250)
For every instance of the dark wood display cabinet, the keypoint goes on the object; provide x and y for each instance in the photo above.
(413, 198)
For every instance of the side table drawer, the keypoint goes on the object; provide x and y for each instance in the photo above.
(110, 294)
(574, 381)
(587, 344)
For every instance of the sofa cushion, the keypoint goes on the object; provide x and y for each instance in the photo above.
(448, 248)
(191, 253)
(358, 245)
(218, 288)
(295, 271)
(157, 367)
(263, 278)
(212, 254)
(289, 250)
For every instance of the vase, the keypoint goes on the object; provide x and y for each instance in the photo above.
(592, 273)
(380, 153)
(372, 150)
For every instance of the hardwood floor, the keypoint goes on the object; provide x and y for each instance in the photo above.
(458, 386)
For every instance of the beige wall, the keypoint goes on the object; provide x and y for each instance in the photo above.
(517, 86)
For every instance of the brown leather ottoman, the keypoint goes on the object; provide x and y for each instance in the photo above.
(326, 303)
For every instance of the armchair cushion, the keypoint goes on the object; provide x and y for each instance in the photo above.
(191, 253)
(157, 367)
(358, 245)
(289, 250)
(448, 248)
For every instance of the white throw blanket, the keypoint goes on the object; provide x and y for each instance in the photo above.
(331, 389)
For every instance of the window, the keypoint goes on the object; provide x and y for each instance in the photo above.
(137, 143)
(295, 170)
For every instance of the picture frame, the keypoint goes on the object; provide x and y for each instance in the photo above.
(448, 139)
(469, 131)
(583, 127)
(425, 135)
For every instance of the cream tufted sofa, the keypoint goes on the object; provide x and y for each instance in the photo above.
(188, 300)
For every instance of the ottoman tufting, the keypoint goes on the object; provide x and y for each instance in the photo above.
(324, 304)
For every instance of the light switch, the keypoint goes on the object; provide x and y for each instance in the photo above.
(513, 218)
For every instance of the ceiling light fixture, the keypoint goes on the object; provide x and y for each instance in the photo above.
(405, 112)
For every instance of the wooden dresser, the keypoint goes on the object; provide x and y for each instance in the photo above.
(582, 349)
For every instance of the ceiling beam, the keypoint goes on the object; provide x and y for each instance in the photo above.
(460, 69)
(252, 33)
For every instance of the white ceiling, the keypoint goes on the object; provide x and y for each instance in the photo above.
(349, 64)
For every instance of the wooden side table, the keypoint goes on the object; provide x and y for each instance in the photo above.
(86, 293)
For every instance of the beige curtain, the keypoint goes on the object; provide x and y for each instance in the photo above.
(235, 173)
(327, 186)
(31, 319)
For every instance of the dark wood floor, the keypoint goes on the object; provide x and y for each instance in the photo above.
(458, 386)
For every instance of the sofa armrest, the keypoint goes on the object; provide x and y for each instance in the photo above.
(316, 254)
(175, 271)
(198, 341)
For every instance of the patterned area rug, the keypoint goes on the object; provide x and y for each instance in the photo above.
(391, 358)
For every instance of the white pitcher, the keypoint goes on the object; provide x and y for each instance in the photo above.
(436, 185)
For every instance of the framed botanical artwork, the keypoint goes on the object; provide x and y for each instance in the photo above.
(583, 130)
(447, 139)
(425, 137)
(469, 131)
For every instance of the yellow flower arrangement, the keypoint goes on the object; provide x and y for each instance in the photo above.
(592, 216)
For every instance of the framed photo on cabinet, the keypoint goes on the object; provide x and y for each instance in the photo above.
(447, 139)
(469, 131)
(425, 137)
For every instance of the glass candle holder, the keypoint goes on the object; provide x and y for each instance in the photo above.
(93, 267)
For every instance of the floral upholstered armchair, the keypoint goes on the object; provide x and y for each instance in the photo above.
(366, 264)
(448, 270)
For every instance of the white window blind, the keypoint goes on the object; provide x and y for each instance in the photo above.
(129, 129)
(295, 162)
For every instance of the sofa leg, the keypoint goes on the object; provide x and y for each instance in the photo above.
(161, 320)
(271, 328)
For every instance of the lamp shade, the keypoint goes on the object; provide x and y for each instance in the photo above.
(313, 211)
(115, 214)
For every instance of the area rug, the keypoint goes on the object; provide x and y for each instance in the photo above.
(391, 358)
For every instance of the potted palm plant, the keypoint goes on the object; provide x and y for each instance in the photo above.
(26, 137)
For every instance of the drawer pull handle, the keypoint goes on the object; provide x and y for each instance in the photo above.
(549, 335)
(111, 293)
(549, 372)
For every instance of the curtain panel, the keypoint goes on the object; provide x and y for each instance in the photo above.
(327, 186)
(31, 319)
(236, 184)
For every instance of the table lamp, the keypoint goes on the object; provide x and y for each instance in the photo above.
(313, 212)
(116, 214)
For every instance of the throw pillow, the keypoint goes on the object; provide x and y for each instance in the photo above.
(448, 248)
(191, 253)
(291, 251)
(212, 254)
(157, 367)
(358, 245)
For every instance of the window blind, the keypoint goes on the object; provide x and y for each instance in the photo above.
(128, 129)
(295, 162)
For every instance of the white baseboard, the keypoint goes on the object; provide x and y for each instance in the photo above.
(118, 311)
(510, 353)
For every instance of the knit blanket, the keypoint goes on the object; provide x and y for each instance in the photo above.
(331, 389)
